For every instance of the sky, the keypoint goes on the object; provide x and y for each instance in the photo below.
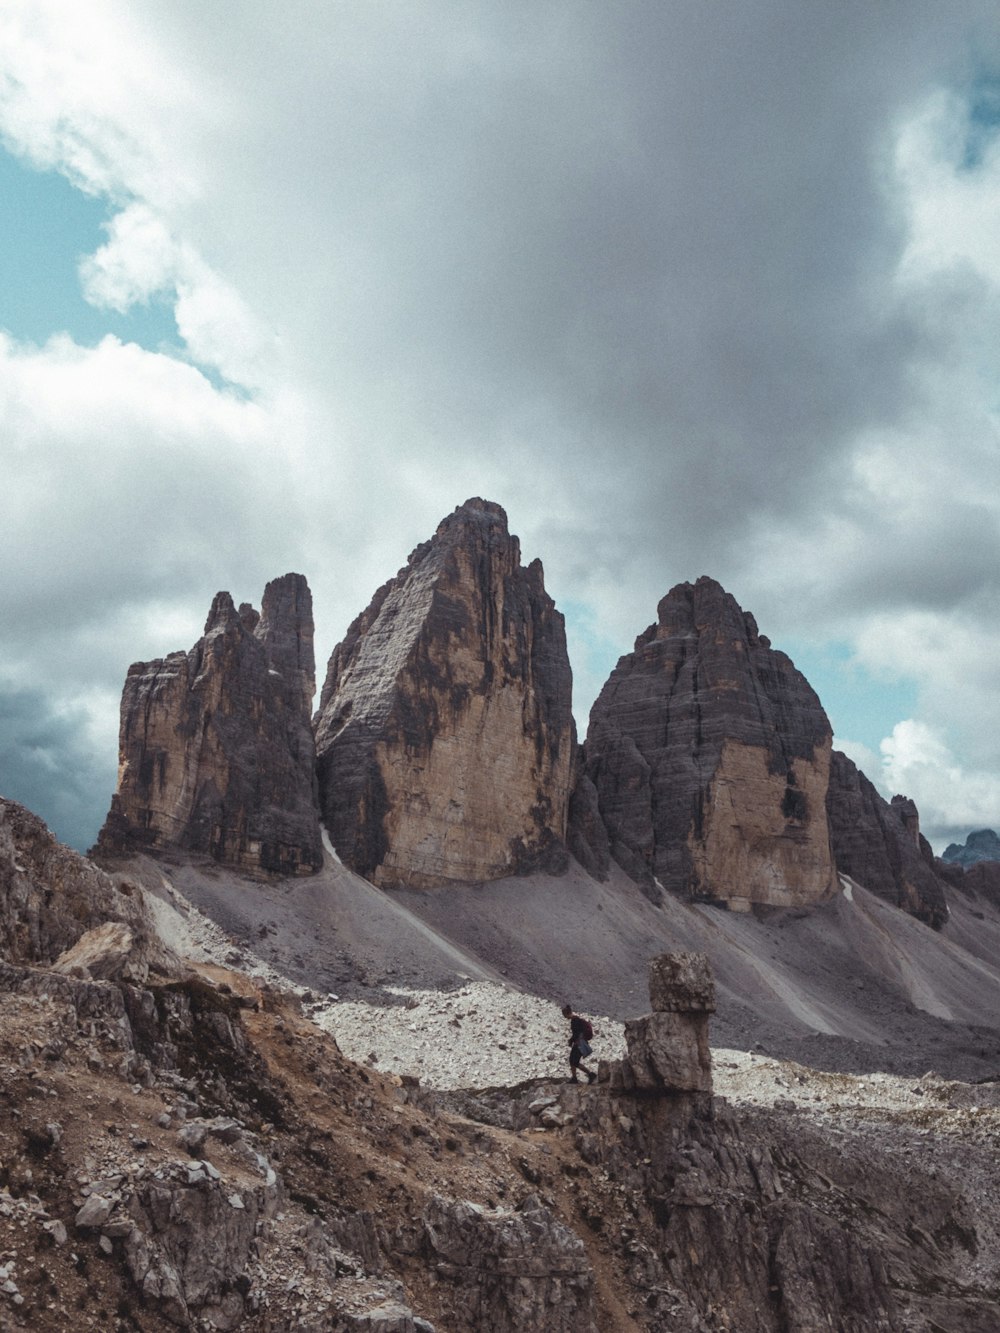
(690, 288)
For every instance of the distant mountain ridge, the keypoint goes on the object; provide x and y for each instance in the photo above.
(980, 845)
(444, 749)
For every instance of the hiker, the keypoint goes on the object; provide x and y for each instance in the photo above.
(580, 1033)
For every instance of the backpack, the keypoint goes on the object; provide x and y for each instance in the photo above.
(588, 1031)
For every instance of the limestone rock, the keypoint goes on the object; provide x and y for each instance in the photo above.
(57, 905)
(681, 983)
(710, 755)
(586, 834)
(668, 1050)
(878, 843)
(216, 752)
(828, 1278)
(445, 736)
(188, 1248)
(511, 1270)
(108, 953)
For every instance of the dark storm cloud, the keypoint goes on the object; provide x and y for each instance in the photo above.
(655, 241)
(47, 765)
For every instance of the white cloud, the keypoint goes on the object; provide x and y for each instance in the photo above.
(952, 202)
(917, 761)
(139, 260)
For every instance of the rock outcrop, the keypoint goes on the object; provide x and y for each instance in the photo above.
(981, 845)
(216, 752)
(879, 844)
(668, 1049)
(58, 910)
(710, 757)
(190, 1152)
(445, 737)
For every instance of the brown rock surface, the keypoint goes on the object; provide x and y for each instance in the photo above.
(55, 904)
(879, 844)
(190, 1154)
(710, 756)
(445, 736)
(216, 753)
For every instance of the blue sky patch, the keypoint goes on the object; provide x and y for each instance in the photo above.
(861, 707)
(47, 226)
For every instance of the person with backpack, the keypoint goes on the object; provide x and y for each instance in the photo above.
(580, 1033)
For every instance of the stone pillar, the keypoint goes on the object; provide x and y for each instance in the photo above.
(668, 1050)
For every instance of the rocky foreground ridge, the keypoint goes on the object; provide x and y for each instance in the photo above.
(444, 748)
(183, 1148)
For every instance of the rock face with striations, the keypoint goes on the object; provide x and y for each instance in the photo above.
(710, 757)
(216, 752)
(879, 844)
(445, 737)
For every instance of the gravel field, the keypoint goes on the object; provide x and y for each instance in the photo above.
(484, 1034)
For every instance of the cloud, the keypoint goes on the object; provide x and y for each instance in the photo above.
(689, 289)
(917, 760)
(48, 756)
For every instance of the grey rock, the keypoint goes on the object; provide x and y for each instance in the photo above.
(878, 843)
(94, 1213)
(51, 898)
(511, 1270)
(669, 1052)
(709, 754)
(192, 1136)
(681, 983)
(216, 749)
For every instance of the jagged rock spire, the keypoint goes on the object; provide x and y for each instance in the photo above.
(216, 753)
(445, 736)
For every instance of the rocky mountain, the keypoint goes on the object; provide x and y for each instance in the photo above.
(980, 845)
(879, 844)
(216, 752)
(183, 1148)
(445, 737)
(445, 748)
(708, 756)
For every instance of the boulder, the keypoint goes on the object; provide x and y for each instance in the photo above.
(445, 736)
(112, 952)
(668, 1052)
(216, 753)
(710, 756)
(681, 983)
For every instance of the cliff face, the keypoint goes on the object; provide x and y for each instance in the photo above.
(216, 752)
(710, 757)
(445, 736)
(879, 844)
